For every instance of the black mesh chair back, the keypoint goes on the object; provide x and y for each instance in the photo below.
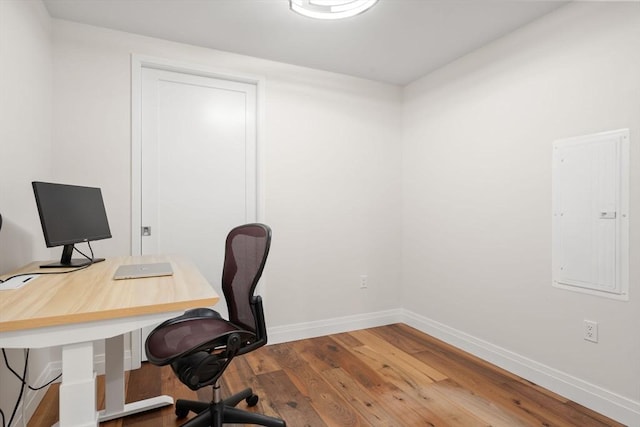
(246, 253)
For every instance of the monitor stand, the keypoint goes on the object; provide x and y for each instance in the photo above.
(67, 262)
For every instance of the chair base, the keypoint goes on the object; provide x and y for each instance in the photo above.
(215, 414)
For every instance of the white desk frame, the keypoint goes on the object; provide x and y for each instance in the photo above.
(78, 407)
(78, 387)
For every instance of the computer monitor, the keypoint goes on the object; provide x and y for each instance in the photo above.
(70, 214)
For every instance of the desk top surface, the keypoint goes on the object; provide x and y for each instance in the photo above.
(91, 294)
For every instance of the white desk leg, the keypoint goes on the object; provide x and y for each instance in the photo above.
(114, 375)
(78, 387)
(114, 385)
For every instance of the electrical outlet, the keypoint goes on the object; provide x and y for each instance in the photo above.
(363, 281)
(591, 331)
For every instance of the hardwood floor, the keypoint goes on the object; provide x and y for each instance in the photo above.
(388, 376)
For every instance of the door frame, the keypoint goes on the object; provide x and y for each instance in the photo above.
(138, 62)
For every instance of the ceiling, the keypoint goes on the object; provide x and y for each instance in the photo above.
(396, 42)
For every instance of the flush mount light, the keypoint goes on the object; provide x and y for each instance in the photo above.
(330, 9)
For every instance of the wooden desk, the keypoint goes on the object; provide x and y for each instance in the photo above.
(73, 310)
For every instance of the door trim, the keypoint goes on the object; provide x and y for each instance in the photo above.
(140, 61)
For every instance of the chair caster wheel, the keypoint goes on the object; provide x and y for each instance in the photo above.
(252, 400)
(181, 412)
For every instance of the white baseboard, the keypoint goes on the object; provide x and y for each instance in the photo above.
(612, 405)
(336, 325)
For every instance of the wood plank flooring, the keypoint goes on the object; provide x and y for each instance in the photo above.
(388, 376)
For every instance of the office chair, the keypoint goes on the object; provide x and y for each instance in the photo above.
(200, 344)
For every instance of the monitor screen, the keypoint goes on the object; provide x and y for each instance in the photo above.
(70, 214)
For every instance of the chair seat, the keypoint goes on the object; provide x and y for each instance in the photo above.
(184, 335)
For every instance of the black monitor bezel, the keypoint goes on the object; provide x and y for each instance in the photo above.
(68, 244)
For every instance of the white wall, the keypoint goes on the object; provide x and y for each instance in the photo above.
(25, 126)
(332, 197)
(331, 160)
(25, 144)
(477, 179)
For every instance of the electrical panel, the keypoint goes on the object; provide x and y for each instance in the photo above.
(590, 229)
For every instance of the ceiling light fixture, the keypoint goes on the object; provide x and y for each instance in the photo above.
(330, 9)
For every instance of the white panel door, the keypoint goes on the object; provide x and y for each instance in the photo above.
(198, 166)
